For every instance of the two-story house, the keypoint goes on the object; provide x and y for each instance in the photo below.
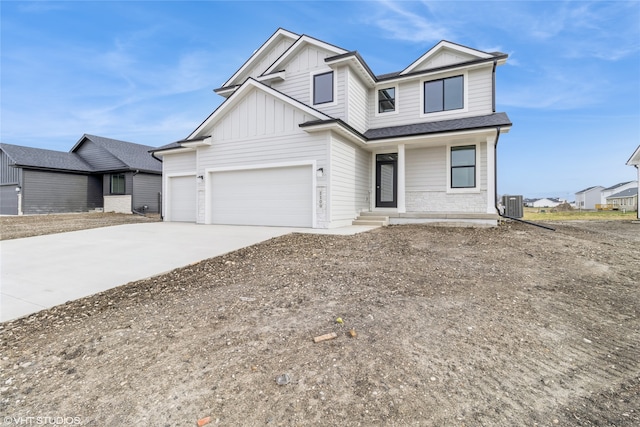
(309, 136)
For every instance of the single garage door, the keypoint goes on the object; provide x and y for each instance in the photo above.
(280, 196)
(182, 198)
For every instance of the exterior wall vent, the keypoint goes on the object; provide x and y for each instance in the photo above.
(513, 206)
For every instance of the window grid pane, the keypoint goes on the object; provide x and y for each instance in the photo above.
(386, 100)
(323, 88)
(444, 94)
(463, 167)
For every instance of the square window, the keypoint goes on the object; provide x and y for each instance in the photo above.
(444, 94)
(323, 88)
(463, 167)
(117, 183)
(387, 100)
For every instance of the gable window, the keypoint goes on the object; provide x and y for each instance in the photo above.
(117, 183)
(463, 166)
(387, 100)
(323, 88)
(444, 94)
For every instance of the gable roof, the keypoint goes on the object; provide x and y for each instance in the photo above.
(38, 158)
(629, 192)
(594, 187)
(133, 156)
(618, 185)
(249, 84)
(469, 54)
(280, 35)
(634, 160)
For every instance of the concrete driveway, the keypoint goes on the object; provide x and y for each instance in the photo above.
(45, 271)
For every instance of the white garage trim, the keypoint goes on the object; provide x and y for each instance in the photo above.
(310, 165)
(170, 199)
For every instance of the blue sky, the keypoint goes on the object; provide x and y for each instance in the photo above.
(144, 71)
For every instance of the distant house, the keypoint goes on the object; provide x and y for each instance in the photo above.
(604, 194)
(96, 174)
(626, 200)
(544, 203)
(589, 197)
(634, 160)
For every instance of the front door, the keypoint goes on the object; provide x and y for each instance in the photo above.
(386, 180)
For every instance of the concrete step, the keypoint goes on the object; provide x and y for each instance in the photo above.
(372, 220)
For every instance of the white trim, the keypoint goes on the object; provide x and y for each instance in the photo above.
(297, 45)
(378, 88)
(475, 189)
(237, 97)
(465, 95)
(491, 177)
(280, 33)
(208, 185)
(401, 187)
(312, 76)
(445, 45)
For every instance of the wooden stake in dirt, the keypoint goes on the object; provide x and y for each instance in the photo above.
(325, 337)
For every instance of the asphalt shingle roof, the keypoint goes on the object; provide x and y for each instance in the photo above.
(629, 192)
(45, 159)
(133, 156)
(479, 122)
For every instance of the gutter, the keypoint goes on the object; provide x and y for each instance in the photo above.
(495, 183)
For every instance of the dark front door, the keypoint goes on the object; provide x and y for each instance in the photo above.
(386, 180)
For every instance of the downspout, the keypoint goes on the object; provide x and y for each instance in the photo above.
(493, 90)
(495, 183)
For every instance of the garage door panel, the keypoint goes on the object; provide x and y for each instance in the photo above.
(182, 199)
(270, 196)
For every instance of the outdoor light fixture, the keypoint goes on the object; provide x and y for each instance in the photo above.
(320, 172)
(200, 177)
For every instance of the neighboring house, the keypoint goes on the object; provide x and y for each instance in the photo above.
(604, 195)
(545, 203)
(97, 174)
(308, 136)
(589, 197)
(634, 160)
(626, 200)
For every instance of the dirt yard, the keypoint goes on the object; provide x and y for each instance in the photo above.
(510, 326)
(15, 227)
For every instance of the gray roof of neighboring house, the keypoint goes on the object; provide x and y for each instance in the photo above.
(629, 192)
(467, 123)
(589, 188)
(45, 159)
(133, 156)
(613, 187)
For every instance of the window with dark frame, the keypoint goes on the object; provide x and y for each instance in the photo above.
(463, 166)
(323, 88)
(387, 100)
(117, 183)
(444, 94)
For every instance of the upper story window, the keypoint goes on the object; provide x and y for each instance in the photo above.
(463, 166)
(323, 88)
(444, 94)
(117, 183)
(387, 100)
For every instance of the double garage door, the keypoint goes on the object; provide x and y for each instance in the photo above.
(278, 196)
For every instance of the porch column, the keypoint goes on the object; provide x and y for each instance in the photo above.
(401, 187)
(491, 174)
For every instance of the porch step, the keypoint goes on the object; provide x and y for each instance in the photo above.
(371, 220)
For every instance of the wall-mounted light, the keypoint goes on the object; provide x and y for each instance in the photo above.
(320, 172)
(18, 189)
(200, 177)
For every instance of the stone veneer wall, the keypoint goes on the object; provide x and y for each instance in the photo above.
(118, 204)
